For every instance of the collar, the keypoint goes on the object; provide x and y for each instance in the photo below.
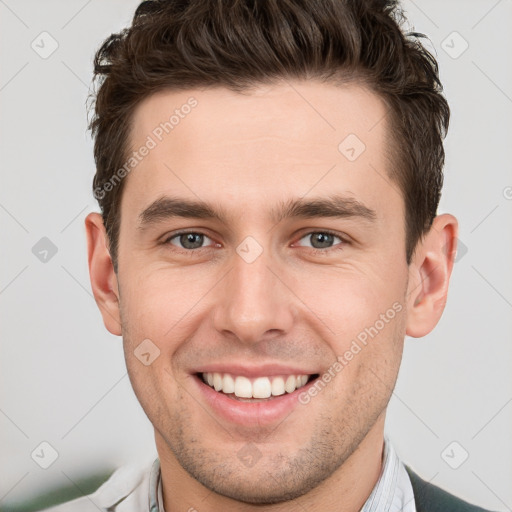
(156, 502)
(392, 493)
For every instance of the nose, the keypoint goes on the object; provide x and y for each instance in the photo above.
(254, 302)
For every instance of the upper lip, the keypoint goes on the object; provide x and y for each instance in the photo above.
(262, 370)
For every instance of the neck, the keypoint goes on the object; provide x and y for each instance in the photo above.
(346, 490)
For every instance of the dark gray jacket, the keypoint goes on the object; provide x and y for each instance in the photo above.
(430, 498)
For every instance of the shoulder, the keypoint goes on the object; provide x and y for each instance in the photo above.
(430, 498)
(125, 491)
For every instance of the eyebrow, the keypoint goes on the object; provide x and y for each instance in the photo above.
(335, 206)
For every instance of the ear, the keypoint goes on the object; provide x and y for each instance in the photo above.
(429, 276)
(101, 271)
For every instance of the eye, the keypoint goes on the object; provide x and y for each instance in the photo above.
(189, 240)
(321, 240)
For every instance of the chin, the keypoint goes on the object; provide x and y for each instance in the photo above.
(264, 489)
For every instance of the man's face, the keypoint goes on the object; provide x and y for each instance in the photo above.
(260, 295)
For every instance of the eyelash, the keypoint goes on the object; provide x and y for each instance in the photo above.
(314, 250)
(337, 247)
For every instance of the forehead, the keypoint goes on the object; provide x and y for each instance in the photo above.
(266, 145)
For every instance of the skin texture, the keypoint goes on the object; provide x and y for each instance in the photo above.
(294, 305)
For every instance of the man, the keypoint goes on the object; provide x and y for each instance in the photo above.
(268, 175)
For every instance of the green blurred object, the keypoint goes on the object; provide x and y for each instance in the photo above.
(81, 487)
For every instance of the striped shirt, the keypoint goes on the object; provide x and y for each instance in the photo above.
(393, 491)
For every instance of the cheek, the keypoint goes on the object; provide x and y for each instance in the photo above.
(153, 386)
(364, 313)
(148, 359)
(350, 300)
(159, 301)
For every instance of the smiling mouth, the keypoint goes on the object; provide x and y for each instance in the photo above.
(260, 389)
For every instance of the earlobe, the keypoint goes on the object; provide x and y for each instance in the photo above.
(429, 276)
(101, 271)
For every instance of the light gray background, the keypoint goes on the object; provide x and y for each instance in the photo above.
(62, 374)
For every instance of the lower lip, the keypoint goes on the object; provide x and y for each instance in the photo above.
(251, 413)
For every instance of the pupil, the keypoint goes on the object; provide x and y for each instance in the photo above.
(191, 240)
(323, 239)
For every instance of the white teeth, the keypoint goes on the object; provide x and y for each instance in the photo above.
(217, 381)
(290, 384)
(278, 386)
(243, 387)
(261, 387)
(228, 384)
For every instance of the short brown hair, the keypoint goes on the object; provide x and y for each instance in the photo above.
(238, 44)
